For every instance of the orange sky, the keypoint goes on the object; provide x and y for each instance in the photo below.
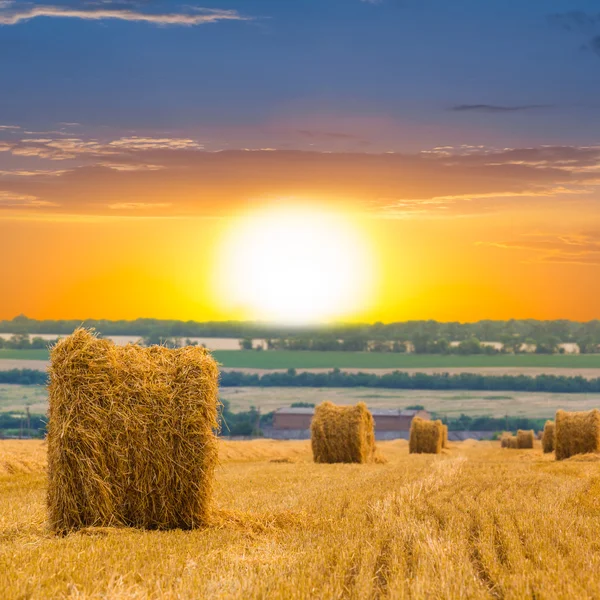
(454, 237)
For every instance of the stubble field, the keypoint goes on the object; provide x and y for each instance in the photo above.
(474, 522)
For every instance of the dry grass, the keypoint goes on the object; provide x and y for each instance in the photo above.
(342, 434)
(476, 522)
(130, 435)
(576, 433)
(426, 436)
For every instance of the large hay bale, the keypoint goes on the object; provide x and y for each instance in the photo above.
(525, 439)
(342, 434)
(548, 437)
(576, 433)
(426, 437)
(131, 435)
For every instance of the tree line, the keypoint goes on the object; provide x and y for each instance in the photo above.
(394, 380)
(429, 335)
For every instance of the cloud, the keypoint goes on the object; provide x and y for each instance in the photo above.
(73, 148)
(569, 248)
(16, 200)
(580, 22)
(13, 16)
(143, 171)
(138, 205)
(37, 173)
(146, 143)
(8, 127)
(494, 108)
(574, 20)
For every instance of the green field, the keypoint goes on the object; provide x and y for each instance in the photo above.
(285, 359)
(6, 353)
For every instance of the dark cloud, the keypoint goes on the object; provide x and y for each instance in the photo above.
(495, 108)
(574, 20)
(580, 22)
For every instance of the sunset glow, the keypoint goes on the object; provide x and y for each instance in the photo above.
(212, 169)
(295, 265)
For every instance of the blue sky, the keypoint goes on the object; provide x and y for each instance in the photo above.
(388, 72)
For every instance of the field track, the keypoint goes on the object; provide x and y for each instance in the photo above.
(474, 522)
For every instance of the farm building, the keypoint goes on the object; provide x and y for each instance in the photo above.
(293, 423)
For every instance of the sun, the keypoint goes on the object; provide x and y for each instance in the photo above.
(295, 265)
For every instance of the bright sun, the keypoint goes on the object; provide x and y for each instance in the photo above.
(295, 265)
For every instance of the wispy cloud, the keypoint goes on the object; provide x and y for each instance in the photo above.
(496, 108)
(138, 205)
(571, 248)
(17, 200)
(11, 14)
(147, 143)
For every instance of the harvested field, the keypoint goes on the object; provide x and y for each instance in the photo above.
(474, 522)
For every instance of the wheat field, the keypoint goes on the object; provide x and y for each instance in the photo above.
(477, 521)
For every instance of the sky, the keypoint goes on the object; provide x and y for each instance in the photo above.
(456, 146)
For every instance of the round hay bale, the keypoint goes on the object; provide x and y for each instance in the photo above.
(525, 439)
(548, 437)
(576, 433)
(426, 437)
(342, 434)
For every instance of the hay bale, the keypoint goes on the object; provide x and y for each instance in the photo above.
(576, 433)
(525, 439)
(548, 437)
(505, 439)
(131, 435)
(444, 436)
(342, 434)
(513, 443)
(426, 437)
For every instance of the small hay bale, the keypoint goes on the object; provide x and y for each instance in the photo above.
(525, 439)
(576, 433)
(548, 437)
(342, 434)
(505, 439)
(444, 436)
(426, 437)
(513, 443)
(131, 435)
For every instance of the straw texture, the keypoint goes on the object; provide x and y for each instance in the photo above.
(548, 437)
(131, 435)
(525, 439)
(342, 434)
(576, 433)
(426, 437)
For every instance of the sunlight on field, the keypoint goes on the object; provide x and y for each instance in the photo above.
(474, 522)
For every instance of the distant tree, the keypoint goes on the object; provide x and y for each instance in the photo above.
(398, 347)
(470, 346)
(246, 344)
